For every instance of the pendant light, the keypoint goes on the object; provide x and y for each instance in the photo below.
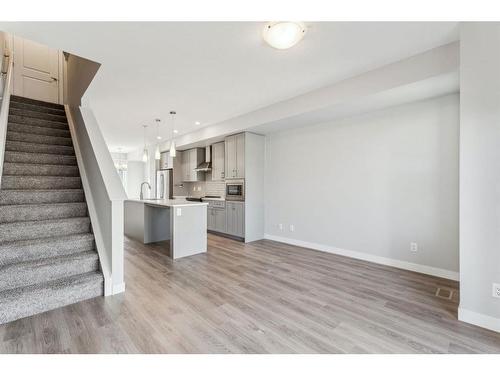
(172, 141)
(145, 151)
(157, 152)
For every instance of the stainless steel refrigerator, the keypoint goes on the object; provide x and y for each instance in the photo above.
(164, 184)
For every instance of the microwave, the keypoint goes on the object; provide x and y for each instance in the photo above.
(235, 190)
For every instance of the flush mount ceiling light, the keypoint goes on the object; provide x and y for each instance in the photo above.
(283, 35)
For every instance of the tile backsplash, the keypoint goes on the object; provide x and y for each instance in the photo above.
(208, 187)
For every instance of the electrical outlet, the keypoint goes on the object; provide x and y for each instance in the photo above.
(292, 227)
(280, 226)
(496, 290)
(179, 212)
(413, 247)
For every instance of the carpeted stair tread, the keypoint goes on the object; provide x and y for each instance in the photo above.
(38, 138)
(43, 270)
(41, 130)
(28, 230)
(31, 158)
(37, 122)
(11, 197)
(38, 115)
(38, 148)
(25, 169)
(40, 103)
(45, 211)
(48, 254)
(37, 108)
(40, 182)
(28, 250)
(34, 299)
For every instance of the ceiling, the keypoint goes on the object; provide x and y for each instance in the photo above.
(213, 71)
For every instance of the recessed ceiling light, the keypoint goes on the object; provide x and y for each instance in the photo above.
(176, 131)
(158, 137)
(283, 35)
(197, 123)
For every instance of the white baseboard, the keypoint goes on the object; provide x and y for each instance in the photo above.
(119, 288)
(428, 270)
(478, 319)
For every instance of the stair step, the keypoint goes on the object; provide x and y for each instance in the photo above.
(10, 197)
(42, 130)
(29, 230)
(40, 182)
(39, 103)
(43, 270)
(38, 148)
(38, 115)
(45, 211)
(22, 302)
(23, 169)
(37, 122)
(37, 138)
(31, 158)
(38, 108)
(24, 251)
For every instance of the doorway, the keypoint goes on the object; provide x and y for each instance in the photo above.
(37, 71)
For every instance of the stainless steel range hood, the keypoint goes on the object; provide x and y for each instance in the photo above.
(206, 166)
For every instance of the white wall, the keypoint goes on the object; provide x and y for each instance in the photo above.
(480, 173)
(135, 177)
(371, 184)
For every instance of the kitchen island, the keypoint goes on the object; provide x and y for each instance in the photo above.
(183, 223)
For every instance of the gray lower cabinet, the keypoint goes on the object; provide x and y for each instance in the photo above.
(235, 219)
(216, 220)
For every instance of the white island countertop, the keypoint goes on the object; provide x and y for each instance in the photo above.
(181, 222)
(179, 202)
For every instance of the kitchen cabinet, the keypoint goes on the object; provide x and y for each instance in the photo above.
(216, 220)
(218, 157)
(190, 160)
(235, 219)
(235, 156)
(166, 162)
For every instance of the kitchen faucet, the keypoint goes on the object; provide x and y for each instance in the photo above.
(149, 186)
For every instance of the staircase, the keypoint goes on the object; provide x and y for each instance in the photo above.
(47, 250)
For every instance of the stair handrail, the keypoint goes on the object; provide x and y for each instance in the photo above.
(104, 194)
(4, 110)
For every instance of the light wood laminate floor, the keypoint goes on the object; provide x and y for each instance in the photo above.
(263, 297)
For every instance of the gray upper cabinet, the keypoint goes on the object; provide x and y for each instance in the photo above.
(235, 156)
(218, 152)
(235, 219)
(166, 162)
(190, 160)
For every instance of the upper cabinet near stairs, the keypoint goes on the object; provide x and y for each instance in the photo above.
(235, 156)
